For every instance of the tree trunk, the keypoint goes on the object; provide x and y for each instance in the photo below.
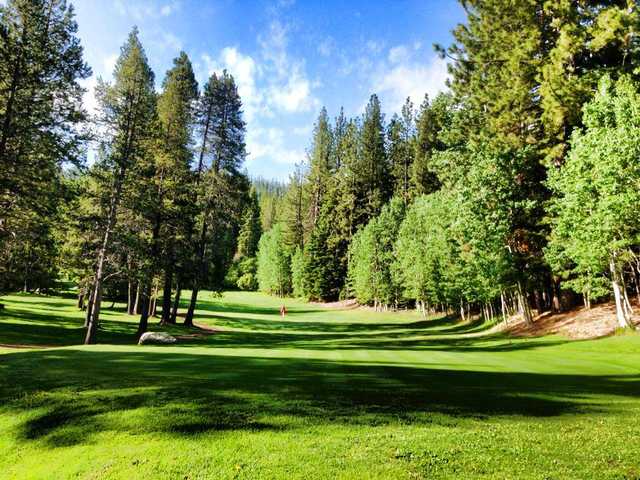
(144, 313)
(188, 319)
(556, 306)
(81, 299)
(154, 302)
(87, 315)
(176, 303)
(130, 298)
(621, 313)
(538, 299)
(504, 308)
(587, 299)
(137, 305)
(94, 318)
(523, 304)
(166, 294)
(92, 324)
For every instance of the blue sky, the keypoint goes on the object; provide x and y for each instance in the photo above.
(289, 58)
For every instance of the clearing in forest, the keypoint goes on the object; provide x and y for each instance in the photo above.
(320, 393)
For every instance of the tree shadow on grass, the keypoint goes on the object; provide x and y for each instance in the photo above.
(405, 341)
(36, 328)
(439, 326)
(240, 308)
(71, 394)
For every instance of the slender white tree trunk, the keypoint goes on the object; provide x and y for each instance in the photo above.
(504, 308)
(621, 314)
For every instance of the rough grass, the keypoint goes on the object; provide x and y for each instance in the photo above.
(319, 394)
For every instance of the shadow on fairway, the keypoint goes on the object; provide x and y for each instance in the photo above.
(384, 341)
(73, 394)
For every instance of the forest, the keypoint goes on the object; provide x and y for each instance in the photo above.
(516, 189)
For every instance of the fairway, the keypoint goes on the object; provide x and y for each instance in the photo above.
(319, 394)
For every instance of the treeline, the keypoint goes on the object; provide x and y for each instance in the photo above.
(162, 206)
(510, 192)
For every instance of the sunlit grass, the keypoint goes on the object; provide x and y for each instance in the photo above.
(318, 394)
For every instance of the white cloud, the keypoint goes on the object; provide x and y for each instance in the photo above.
(167, 41)
(273, 85)
(288, 87)
(108, 65)
(169, 8)
(104, 70)
(140, 10)
(245, 72)
(405, 77)
(375, 46)
(303, 131)
(89, 100)
(269, 144)
(398, 54)
(326, 46)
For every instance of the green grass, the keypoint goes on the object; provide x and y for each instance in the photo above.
(320, 394)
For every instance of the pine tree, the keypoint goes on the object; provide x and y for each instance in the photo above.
(433, 118)
(586, 40)
(295, 206)
(274, 273)
(127, 109)
(222, 132)
(321, 276)
(41, 60)
(243, 271)
(162, 192)
(319, 166)
(400, 141)
(375, 169)
(251, 228)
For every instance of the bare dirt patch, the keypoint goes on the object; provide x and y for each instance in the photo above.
(25, 346)
(580, 323)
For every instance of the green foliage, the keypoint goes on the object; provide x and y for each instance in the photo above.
(424, 250)
(297, 273)
(373, 171)
(321, 277)
(251, 228)
(319, 167)
(274, 271)
(372, 256)
(248, 279)
(588, 40)
(594, 211)
(41, 60)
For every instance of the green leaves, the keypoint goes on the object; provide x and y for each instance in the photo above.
(597, 190)
(274, 272)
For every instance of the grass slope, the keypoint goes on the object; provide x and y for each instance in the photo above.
(320, 394)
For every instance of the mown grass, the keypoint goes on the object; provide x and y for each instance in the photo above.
(319, 394)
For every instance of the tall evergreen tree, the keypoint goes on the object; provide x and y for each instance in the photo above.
(295, 208)
(375, 169)
(166, 178)
(127, 110)
(222, 131)
(400, 141)
(40, 113)
(586, 40)
(319, 166)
